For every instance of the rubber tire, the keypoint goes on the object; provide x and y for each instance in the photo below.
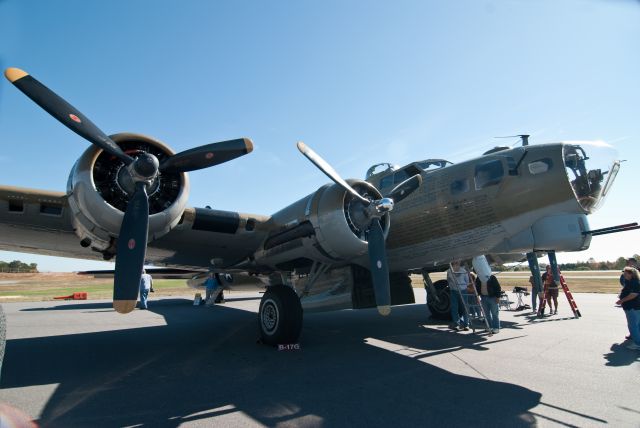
(441, 310)
(280, 316)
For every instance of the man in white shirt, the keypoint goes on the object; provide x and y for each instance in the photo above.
(458, 279)
(146, 284)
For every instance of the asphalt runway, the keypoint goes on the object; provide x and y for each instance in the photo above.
(79, 364)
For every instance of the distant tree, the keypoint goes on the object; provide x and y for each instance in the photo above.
(18, 266)
(620, 263)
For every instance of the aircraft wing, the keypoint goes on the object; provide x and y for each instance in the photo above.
(38, 222)
(42, 222)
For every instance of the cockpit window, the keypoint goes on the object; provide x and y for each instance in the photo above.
(489, 174)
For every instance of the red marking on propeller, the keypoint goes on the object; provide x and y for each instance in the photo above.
(75, 118)
(131, 244)
(208, 155)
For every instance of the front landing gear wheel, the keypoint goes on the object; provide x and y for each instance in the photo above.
(280, 316)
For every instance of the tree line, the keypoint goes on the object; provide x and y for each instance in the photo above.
(590, 264)
(17, 266)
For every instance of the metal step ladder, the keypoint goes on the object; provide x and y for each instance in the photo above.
(473, 308)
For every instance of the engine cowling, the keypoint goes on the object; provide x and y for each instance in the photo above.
(323, 226)
(99, 189)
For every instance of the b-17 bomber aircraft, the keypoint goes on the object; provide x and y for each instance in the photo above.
(349, 244)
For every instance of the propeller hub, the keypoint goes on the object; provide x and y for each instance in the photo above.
(379, 208)
(145, 167)
(384, 205)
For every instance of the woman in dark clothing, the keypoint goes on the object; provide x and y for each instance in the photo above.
(630, 300)
(490, 291)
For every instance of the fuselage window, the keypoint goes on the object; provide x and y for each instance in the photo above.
(540, 166)
(460, 186)
(400, 176)
(489, 174)
(16, 206)
(386, 181)
(54, 210)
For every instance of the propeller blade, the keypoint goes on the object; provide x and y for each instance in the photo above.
(132, 247)
(68, 115)
(405, 188)
(379, 268)
(329, 171)
(206, 156)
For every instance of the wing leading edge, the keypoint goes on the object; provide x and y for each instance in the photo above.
(41, 222)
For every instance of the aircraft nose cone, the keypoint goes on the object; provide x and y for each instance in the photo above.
(591, 167)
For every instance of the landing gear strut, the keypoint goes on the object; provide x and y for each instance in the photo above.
(438, 297)
(280, 316)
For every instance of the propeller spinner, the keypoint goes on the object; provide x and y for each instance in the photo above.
(371, 210)
(143, 169)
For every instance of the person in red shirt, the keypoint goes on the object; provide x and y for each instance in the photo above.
(550, 290)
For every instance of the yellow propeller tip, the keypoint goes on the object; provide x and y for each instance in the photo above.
(124, 306)
(384, 310)
(12, 74)
(248, 144)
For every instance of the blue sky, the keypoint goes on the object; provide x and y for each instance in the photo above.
(361, 82)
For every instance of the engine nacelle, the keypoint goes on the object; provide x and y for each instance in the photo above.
(326, 226)
(99, 188)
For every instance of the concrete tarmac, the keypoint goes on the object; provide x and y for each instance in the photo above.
(79, 364)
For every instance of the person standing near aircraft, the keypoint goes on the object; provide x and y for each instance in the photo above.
(213, 285)
(146, 284)
(550, 290)
(630, 300)
(631, 262)
(489, 290)
(210, 285)
(458, 280)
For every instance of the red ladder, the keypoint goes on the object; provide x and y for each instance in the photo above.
(572, 303)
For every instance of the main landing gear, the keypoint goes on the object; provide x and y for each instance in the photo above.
(438, 298)
(280, 316)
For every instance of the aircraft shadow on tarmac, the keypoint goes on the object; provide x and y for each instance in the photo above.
(205, 362)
